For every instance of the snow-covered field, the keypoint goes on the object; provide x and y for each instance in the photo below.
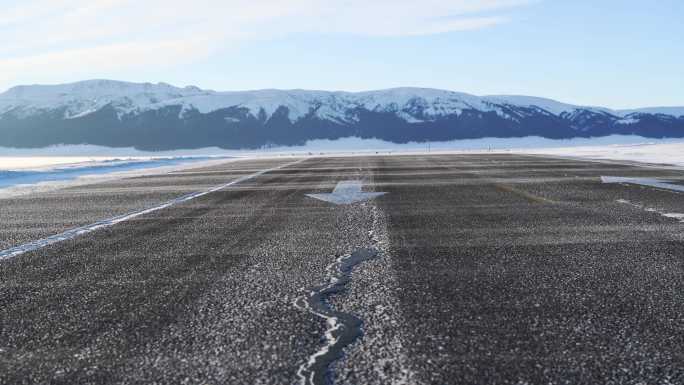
(29, 170)
(658, 153)
(19, 158)
(353, 144)
(616, 147)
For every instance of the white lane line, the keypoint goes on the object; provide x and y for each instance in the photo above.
(69, 234)
(677, 216)
(650, 182)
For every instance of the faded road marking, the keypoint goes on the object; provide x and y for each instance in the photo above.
(650, 182)
(70, 234)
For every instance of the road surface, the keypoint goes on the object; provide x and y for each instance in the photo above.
(479, 269)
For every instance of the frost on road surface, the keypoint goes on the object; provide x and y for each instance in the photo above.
(69, 234)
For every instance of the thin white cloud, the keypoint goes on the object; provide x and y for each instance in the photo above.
(30, 10)
(405, 18)
(108, 58)
(60, 36)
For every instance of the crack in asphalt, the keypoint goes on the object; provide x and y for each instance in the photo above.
(343, 328)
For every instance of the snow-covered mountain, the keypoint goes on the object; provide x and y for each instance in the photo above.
(161, 116)
(82, 98)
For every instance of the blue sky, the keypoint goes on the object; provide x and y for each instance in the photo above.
(619, 54)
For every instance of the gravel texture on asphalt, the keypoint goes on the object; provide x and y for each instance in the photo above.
(380, 357)
(29, 217)
(201, 292)
(520, 270)
(493, 269)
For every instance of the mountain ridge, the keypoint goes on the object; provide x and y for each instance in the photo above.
(190, 90)
(164, 116)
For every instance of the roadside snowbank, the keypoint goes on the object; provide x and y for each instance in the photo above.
(658, 153)
(55, 176)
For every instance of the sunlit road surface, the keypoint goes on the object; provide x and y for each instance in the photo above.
(474, 269)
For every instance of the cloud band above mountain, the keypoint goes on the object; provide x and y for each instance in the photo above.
(60, 37)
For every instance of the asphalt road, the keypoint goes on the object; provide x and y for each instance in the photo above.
(487, 269)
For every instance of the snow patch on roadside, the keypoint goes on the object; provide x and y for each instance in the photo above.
(671, 152)
(41, 186)
(23, 176)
